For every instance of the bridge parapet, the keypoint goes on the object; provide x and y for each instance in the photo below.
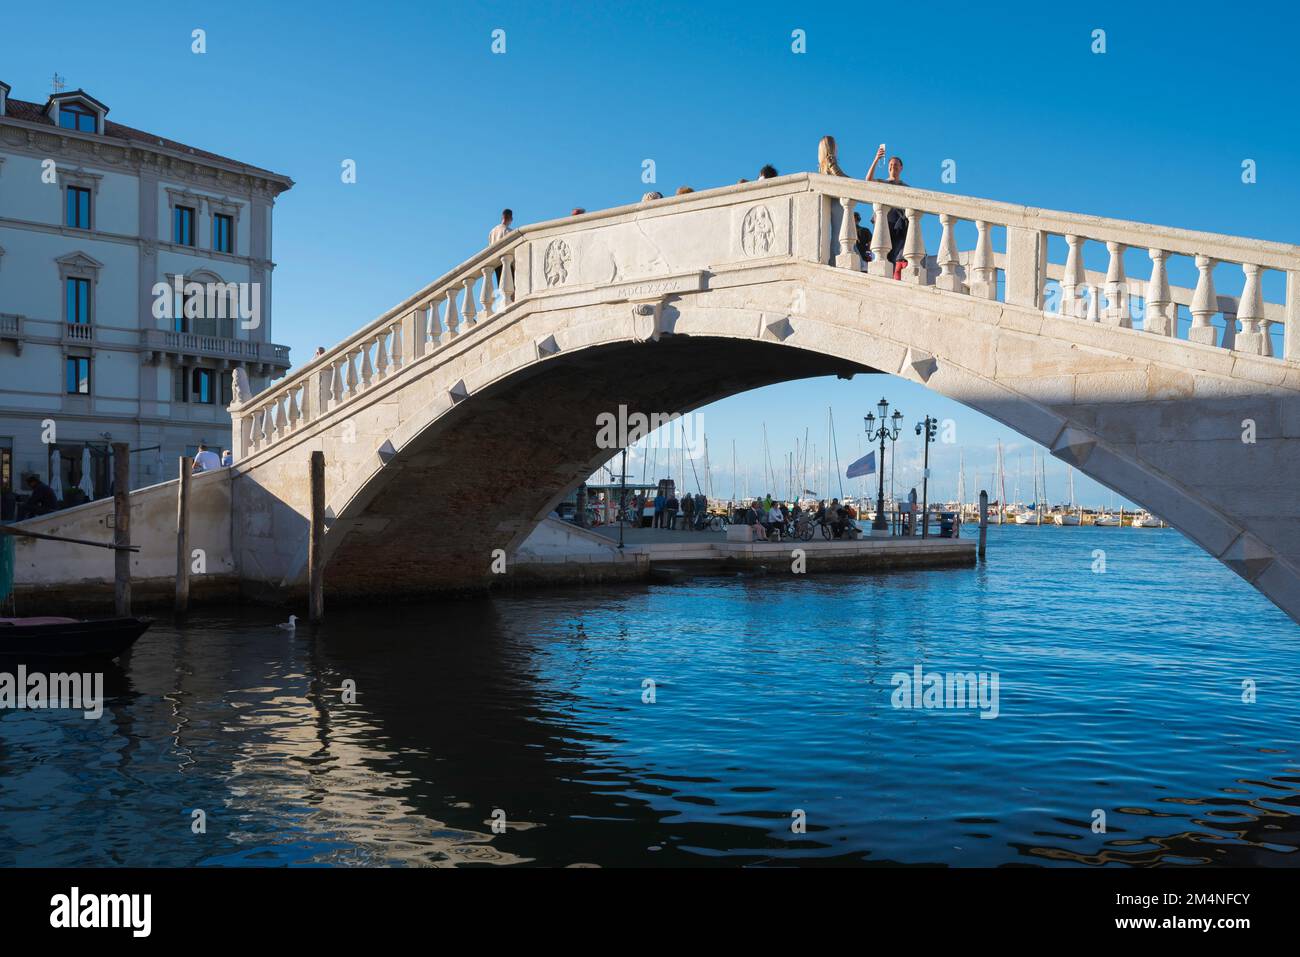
(643, 251)
(416, 327)
(1069, 289)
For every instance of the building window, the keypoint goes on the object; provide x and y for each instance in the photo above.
(223, 233)
(78, 375)
(78, 208)
(203, 386)
(190, 301)
(227, 393)
(78, 300)
(183, 225)
(74, 116)
(179, 378)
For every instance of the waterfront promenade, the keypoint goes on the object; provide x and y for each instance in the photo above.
(562, 553)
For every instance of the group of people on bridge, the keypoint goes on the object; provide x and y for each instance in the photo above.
(828, 165)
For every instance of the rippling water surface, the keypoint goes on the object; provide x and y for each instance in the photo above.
(1119, 692)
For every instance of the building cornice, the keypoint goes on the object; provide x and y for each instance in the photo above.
(116, 152)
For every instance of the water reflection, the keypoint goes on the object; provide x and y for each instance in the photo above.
(772, 696)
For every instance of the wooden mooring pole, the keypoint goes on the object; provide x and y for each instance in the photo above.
(183, 536)
(315, 543)
(984, 521)
(121, 529)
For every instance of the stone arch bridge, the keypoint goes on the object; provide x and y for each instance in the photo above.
(453, 423)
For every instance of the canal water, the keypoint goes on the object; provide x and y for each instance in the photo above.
(773, 738)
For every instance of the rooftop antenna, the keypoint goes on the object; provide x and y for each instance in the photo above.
(58, 83)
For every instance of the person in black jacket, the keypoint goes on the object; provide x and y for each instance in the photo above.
(41, 501)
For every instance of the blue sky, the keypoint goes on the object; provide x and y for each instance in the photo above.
(445, 133)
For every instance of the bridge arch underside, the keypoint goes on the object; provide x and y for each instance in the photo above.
(485, 473)
(469, 471)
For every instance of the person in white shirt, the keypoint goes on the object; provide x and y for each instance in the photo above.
(226, 459)
(500, 231)
(205, 460)
(774, 519)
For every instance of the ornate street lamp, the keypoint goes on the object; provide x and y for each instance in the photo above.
(929, 428)
(885, 431)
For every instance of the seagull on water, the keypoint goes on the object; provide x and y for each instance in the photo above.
(289, 625)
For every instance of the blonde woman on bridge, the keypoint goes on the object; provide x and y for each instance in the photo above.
(827, 162)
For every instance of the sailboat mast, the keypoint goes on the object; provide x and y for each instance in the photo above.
(1002, 485)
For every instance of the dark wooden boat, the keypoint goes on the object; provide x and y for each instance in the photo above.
(69, 637)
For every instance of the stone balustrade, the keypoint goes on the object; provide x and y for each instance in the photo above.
(1021, 274)
(1069, 290)
(419, 327)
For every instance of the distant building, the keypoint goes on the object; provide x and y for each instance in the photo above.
(94, 216)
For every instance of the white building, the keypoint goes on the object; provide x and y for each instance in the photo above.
(93, 217)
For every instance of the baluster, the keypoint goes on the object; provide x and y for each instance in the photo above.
(326, 388)
(280, 423)
(335, 383)
(267, 425)
(1291, 322)
(397, 345)
(1094, 303)
(1161, 313)
(1119, 311)
(1229, 338)
(985, 284)
(293, 408)
(1073, 280)
(470, 317)
(352, 373)
(246, 441)
(948, 261)
(435, 324)
(453, 315)
(429, 323)
(1205, 303)
(1251, 312)
(338, 380)
(847, 257)
(254, 431)
(914, 250)
(381, 356)
(1266, 337)
(367, 370)
(880, 264)
(485, 295)
(507, 279)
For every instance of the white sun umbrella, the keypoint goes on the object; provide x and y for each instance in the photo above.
(87, 484)
(56, 474)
